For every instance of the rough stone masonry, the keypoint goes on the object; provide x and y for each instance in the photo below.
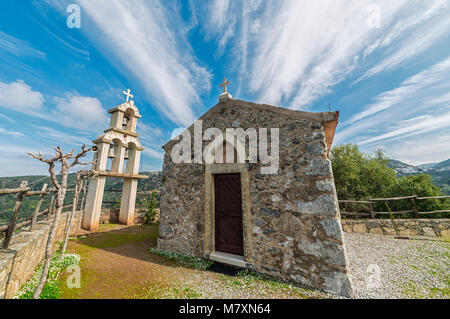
(291, 220)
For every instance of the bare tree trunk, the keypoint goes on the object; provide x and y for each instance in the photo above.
(60, 195)
(72, 215)
(61, 189)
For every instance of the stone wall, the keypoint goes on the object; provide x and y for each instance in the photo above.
(423, 227)
(293, 229)
(26, 251)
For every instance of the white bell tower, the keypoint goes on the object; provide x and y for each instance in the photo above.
(119, 142)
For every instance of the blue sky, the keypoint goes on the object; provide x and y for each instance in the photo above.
(385, 65)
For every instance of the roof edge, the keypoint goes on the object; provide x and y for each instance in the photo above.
(322, 117)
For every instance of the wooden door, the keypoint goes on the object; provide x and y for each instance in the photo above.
(228, 214)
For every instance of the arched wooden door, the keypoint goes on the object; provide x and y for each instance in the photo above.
(228, 214)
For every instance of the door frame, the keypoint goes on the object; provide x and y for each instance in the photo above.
(218, 231)
(209, 236)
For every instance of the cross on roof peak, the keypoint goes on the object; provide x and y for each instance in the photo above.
(128, 94)
(224, 84)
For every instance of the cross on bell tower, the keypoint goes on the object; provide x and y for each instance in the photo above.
(128, 94)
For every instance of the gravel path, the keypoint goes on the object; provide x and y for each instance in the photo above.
(405, 268)
(108, 256)
(385, 267)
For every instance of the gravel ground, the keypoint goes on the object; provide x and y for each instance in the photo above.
(385, 267)
(218, 286)
(405, 268)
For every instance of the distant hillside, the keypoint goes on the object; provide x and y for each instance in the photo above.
(428, 165)
(36, 182)
(404, 168)
(439, 171)
(445, 165)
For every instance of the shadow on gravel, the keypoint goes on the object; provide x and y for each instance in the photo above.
(420, 238)
(223, 269)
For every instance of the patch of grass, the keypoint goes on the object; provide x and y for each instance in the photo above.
(410, 289)
(114, 239)
(52, 288)
(445, 292)
(252, 276)
(436, 265)
(164, 292)
(182, 293)
(278, 284)
(415, 267)
(183, 260)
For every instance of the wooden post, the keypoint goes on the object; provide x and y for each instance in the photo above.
(38, 207)
(84, 194)
(78, 184)
(12, 222)
(416, 212)
(372, 214)
(51, 207)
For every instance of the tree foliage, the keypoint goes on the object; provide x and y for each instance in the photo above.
(360, 176)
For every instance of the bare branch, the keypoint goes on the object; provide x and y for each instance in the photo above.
(59, 152)
(39, 157)
(83, 153)
(88, 163)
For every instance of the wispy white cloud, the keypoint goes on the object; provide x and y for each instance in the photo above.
(74, 111)
(11, 133)
(151, 138)
(413, 127)
(19, 96)
(18, 47)
(153, 153)
(80, 112)
(220, 15)
(305, 48)
(220, 23)
(412, 35)
(416, 112)
(152, 45)
(422, 149)
(7, 118)
(15, 162)
(430, 86)
(294, 52)
(55, 137)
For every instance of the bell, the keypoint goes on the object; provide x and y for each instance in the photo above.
(125, 121)
(111, 153)
(127, 154)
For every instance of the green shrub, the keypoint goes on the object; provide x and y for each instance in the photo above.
(151, 206)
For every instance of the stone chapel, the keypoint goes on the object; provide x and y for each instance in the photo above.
(285, 223)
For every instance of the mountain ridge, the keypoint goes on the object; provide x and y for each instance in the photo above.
(440, 172)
